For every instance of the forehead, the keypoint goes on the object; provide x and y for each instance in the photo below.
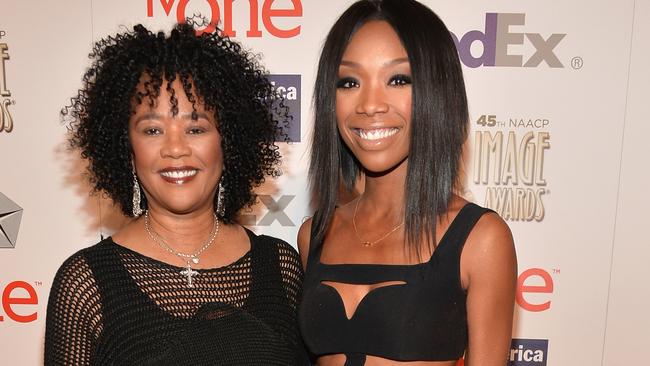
(152, 94)
(376, 38)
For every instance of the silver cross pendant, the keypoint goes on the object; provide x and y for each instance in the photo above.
(189, 273)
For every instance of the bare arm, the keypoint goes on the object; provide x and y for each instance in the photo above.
(304, 234)
(489, 270)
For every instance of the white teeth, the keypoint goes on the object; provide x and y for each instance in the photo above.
(178, 174)
(376, 134)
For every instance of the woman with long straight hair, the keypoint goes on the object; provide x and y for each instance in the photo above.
(408, 271)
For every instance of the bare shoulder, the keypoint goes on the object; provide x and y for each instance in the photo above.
(304, 237)
(490, 250)
(491, 231)
(340, 215)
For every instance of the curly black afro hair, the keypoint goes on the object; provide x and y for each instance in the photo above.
(224, 76)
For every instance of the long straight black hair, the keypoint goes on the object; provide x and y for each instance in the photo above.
(439, 117)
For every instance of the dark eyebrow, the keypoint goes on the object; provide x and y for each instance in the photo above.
(157, 116)
(392, 62)
(349, 63)
(201, 114)
(147, 115)
(397, 61)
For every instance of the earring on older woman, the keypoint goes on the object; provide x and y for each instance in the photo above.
(221, 200)
(137, 210)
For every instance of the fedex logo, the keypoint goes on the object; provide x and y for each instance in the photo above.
(496, 38)
(275, 212)
(18, 302)
(525, 352)
(223, 13)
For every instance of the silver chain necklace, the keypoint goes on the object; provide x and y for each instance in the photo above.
(188, 272)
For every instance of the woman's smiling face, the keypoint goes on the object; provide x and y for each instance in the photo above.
(373, 97)
(178, 158)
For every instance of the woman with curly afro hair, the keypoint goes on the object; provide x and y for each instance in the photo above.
(177, 130)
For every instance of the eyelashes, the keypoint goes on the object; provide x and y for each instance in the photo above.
(196, 131)
(193, 130)
(397, 80)
(347, 83)
(400, 80)
(152, 131)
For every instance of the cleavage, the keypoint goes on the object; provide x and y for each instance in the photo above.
(353, 295)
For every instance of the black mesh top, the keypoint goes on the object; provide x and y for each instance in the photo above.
(113, 306)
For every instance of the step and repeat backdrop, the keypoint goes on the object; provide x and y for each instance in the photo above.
(556, 95)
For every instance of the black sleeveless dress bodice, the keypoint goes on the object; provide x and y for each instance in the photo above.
(113, 306)
(423, 319)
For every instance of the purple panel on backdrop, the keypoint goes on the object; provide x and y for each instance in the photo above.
(288, 86)
(525, 352)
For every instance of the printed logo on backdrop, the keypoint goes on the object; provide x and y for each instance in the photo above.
(288, 87)
(508, 160)
(503, 30)
(10, 216)
(19, 301)
(267, 211)
(6, 120)
(535, 287)
(280, 21)
(528, 352)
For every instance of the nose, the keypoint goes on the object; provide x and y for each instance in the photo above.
(373, 100)
(175, 144)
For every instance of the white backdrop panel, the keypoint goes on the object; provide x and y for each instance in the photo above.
(575, 114)
(628, 321)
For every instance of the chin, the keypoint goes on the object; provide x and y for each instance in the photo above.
(184, 206)
(381, 167)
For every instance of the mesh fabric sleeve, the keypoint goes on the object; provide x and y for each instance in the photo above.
(73, 321)
(292, 276)
(291, 271)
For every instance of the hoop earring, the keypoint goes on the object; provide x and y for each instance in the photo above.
(137, 210)
(221, 200)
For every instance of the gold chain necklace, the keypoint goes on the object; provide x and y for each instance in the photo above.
(366, 243)
(188, 272)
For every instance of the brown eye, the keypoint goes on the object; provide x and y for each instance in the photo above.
(400, 80)
(347, 83)
(196, 131)
(152, 131)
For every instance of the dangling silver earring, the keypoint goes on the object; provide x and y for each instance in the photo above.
(137, 210)
(221, 200)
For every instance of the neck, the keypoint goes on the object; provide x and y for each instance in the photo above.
(183, 232)
(384, 193)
